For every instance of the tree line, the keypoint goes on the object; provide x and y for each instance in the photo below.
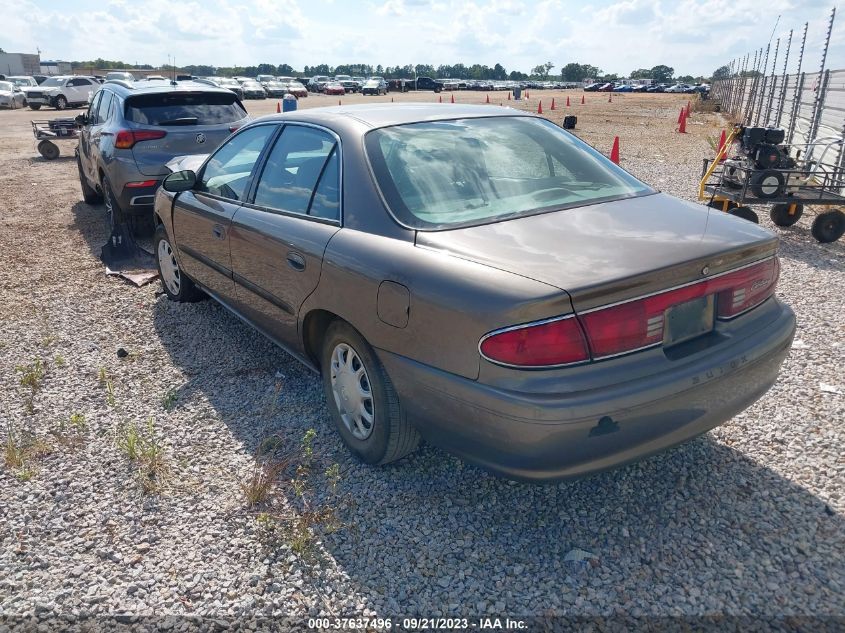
(571, 72)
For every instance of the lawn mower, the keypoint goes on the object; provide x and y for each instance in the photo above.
(763, 171)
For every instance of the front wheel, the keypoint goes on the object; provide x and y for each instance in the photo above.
(781, 216)
(176, 284)
(61, 102)
(361, 399)
(34, 106)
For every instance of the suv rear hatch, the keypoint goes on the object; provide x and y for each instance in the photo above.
(193, 122)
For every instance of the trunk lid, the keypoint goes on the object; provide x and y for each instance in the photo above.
(605, 253)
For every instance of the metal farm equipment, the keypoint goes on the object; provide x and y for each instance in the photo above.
(47, 131)
(762, 172)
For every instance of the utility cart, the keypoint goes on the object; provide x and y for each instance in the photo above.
(46, 132)
(762, 172)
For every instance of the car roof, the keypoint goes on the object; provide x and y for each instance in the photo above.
(144, 87)
(385, 114)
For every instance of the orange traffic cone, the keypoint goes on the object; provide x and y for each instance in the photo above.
(540, 107)
(509, 95)
(453, 98)
(440, 99)
(582, 100)
(278, 106)
(488, 98)
(681, 116)
(338, 102)
(567, 102)
(610, 97)
(614, 153)
(553, 104)
(682, 126)
(527, 96)
(722, 139)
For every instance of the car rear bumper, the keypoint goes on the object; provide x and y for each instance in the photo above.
(138, 200)
(541, 436)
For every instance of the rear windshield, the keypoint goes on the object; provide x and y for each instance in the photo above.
(444, 174)
(180, 108)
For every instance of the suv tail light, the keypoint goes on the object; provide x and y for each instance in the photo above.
(126, 139)
(629, 326)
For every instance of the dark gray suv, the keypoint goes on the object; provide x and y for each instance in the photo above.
(131, 130)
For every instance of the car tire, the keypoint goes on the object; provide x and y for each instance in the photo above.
(89, 194)
(60, 102)
(746, 213)
(781, 217)
(110, 202)
(49, 150)
(828, 227)
(34, 106)
(719, 205)
(767, 183)
(348, 362)
(176, 284)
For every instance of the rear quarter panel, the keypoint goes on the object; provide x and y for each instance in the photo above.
(453, 302)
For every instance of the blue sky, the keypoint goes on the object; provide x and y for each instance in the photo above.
(618, 36)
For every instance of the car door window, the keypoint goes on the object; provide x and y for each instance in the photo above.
(227, 173)
(293, 168)
(92, 109)
(103, 108)
(326, 201)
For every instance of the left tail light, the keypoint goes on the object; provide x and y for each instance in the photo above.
(126, 139)
(543, 344)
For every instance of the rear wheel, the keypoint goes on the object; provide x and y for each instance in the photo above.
(48, 150)
(111, 204)
(363, 403)
(176, 284)
(34, 106)
(829, 227)
(61, 102)
(781, 216)
(89, 194)
(745, 213)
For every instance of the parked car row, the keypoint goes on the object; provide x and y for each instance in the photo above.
(670, 88)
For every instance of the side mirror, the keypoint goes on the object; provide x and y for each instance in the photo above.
(180, 181)
(81, 119)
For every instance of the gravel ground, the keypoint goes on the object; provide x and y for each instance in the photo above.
(748, 520)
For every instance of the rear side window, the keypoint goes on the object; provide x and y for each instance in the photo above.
(103, 107)
(181, 108)
(294, 167)
(227, 173)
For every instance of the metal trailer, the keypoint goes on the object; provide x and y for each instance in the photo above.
(731, 186)
(47, 131)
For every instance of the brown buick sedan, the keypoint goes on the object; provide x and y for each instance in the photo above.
(480, 278)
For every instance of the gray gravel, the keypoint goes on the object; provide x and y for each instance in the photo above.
(747, 520)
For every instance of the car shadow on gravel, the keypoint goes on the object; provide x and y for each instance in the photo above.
(701, 527)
